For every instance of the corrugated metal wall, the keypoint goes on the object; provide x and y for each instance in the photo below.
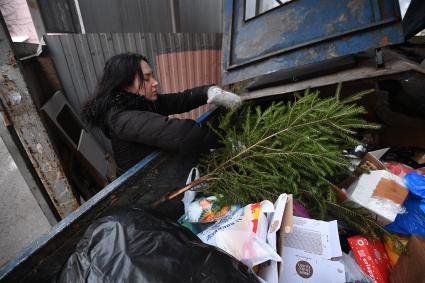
(182, 70)
(180, 61)
(152, 15)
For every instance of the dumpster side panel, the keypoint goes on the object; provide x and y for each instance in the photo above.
(304, 32)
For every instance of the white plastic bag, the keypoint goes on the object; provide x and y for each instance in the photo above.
(243, 234)
(353, 272)
(189, 196)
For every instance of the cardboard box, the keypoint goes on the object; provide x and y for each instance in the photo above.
(307, 248)
(411, 266)
(280, 223)
(372, 159)
(381, 192)
(309, 253)
(371, 257)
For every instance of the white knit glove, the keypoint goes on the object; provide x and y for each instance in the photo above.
(223, 98)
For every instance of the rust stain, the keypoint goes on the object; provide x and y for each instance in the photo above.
(384, 41)
(9, 84)
(291, 21)
(12, 60)
(273, 31)
(34, 139)
(354, 7)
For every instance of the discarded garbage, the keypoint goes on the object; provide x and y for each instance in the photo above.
(404, 155)
(402, 170)
(416, 184)
(206, 209)
(380, 192)
(413, 221)
(243, 234)
(353, 272)
(307, 252)
(280, 222)
(371, 161)
(390, 248)
(202, 209)
(371, 257)
(133, 245)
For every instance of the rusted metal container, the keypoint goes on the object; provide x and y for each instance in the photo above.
(298, 33)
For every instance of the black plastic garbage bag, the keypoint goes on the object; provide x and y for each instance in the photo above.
(134, 245)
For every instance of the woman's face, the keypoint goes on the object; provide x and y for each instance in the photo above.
(147, 88)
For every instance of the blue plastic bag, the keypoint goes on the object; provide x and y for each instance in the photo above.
(416, 184)
(412, 222)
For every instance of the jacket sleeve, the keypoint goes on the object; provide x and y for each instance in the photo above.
(176, 103)
(177, 135)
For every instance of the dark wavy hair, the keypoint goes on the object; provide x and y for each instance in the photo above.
(118, 74)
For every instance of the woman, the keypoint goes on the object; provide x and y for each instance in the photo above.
(131, 112)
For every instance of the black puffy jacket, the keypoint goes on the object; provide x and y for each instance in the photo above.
(137, 126)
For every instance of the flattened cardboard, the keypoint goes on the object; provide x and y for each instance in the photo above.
(286, 226)
(372, 157)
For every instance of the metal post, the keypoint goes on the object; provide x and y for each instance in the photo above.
(8, 135)
(175, 15)
(80, 18)
(37, 19)
(22, 115)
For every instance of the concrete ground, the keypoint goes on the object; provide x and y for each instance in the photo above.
(21, 219)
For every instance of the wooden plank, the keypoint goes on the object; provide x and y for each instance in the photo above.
(27, 123)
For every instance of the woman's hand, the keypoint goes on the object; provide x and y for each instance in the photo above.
(220, 97)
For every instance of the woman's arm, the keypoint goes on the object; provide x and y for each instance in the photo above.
(176, 103)
(178, 135)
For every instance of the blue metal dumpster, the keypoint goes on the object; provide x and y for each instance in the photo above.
(301, 32)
